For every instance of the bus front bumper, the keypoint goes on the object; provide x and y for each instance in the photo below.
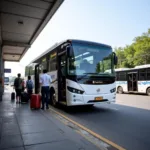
(79, 99)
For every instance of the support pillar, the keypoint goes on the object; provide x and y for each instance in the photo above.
(1, 74)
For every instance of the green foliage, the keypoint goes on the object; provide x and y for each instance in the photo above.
(138, 53)
(104, 65)
(27, 70)
(98, 67)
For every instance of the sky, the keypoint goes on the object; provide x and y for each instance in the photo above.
(113, 22)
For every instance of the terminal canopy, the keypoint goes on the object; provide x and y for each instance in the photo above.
(21, 21)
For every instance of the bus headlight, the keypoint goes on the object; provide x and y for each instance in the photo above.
(73, 90)
(113, 90)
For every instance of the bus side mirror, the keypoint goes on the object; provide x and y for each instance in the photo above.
(69, 51)
(115, 59)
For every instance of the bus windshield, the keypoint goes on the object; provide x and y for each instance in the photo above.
(90, 59)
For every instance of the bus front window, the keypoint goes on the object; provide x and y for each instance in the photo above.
(93, 59)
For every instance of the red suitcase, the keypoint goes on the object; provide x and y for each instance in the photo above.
(35, 101)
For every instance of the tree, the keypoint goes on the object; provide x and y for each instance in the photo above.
(129, 53)
(138, 53)
(121, 57)
(142, 49)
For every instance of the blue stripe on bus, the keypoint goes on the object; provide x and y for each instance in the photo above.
(121, 82)
(143, 82)
(139, 82)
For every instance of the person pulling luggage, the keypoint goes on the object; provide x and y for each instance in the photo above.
(29, 86)
(45, 81)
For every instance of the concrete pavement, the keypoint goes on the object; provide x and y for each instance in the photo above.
(25, 129)
(134, 100)
(123, 125)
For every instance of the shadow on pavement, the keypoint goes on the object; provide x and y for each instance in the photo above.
(141, 94)
(84, 109)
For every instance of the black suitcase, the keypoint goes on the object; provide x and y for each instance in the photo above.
(13, 96)
(24, 97)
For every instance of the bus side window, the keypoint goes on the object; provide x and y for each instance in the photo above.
(148, 74)
(117, 76)
(32, 70)
(52, 65)
(122, 76)
(27, 70)
(40, 69)
(142, 75)
(44, 65)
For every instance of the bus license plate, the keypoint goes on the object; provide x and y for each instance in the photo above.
(98, 98)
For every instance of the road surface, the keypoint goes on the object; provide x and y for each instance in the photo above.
(126, 126)
(134, 100)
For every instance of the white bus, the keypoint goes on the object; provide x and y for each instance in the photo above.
(6, 80)
(135, 80)
(78, 72)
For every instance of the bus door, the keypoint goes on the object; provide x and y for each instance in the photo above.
(132, 81)
(37, 79)
(62, 77)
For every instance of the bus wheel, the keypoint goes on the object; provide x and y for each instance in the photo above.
(120, 90)
(54, 99)
(148, 92)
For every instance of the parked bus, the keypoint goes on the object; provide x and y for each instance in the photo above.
(135, 80)
(6, 80)
(78, 70)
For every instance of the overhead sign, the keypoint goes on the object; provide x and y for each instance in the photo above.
(7, 70)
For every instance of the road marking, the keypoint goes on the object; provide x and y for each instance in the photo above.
(95, 141)
(89, 131)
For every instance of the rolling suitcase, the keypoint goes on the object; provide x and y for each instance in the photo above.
(24, 97)
(13, 96)
(35, 102)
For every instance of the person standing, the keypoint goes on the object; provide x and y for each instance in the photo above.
(18, 88)
(29, 86)
(45, 81)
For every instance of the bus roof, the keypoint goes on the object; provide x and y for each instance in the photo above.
(69, 40)
(143, 66)
(122, 69)
(135, 68)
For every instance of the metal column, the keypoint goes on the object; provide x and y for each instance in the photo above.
(1, 74)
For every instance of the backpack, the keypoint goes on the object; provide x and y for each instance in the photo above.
(18, 82)
(29, 84)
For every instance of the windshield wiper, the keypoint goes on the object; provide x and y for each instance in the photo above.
(96, 73)
(91, 73)
(86, 74)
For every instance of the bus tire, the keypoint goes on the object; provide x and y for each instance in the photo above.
(120, 90)
(148, 91)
